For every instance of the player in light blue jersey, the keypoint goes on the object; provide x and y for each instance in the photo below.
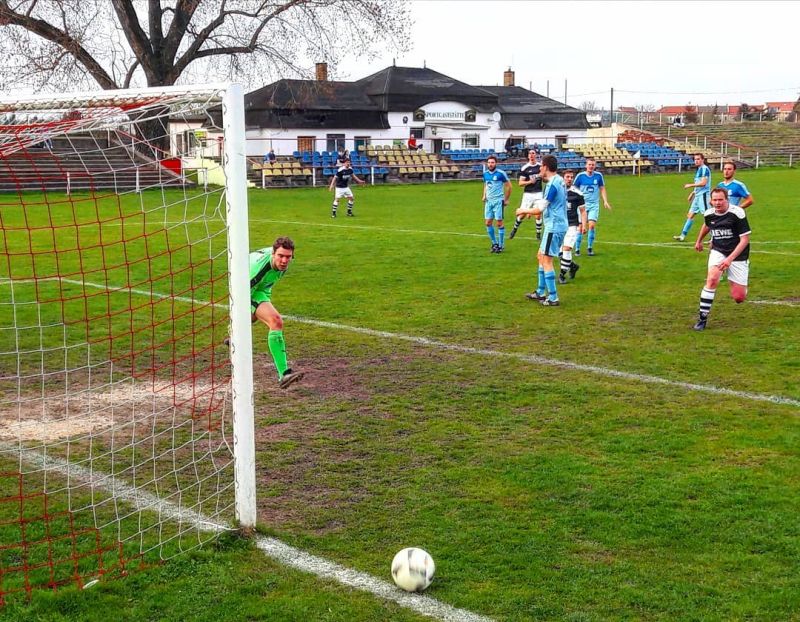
(738, 194)
(591, 184)
(496, 190)
(699, 197)
(553, 208)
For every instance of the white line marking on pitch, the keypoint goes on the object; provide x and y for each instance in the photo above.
(528, 358)
(272, 547)
(677, 245)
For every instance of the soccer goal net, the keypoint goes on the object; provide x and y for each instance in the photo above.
(125, 410)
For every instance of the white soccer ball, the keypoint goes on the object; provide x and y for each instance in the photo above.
(412, 569)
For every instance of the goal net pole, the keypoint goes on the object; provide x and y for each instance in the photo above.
(241, 334)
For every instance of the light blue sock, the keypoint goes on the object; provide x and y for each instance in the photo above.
(542, 286)
(590, 243)
(490, 231)
(687, 225)
(578, 241)
(550, 280)
(502, 232)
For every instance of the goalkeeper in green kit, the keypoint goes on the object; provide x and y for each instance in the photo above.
(267, 267)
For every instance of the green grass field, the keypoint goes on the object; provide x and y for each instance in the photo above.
(596, 461)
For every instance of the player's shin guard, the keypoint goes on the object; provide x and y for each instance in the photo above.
(539, 226)
(502, 236)
(490, 232)
(550, 282)
(350, 207)
(706, 300)
(590, 243)
(517, 223)
(277, 347)
(334, 207)
(541, 288)
(686, 226)
(578, 241)
(566, 262)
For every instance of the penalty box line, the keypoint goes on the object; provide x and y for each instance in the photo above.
(527, 358)
(272, 547)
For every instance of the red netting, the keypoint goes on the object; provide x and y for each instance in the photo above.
(114, 375)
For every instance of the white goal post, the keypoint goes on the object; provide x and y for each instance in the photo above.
(125, 335)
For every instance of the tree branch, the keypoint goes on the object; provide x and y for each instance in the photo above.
(61, 38)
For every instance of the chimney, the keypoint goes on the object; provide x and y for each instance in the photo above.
(508, 77)
(322, 72)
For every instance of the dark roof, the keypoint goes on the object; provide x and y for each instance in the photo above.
(523, 109)
(304, 94)
(364, 104)
(312, 104)
(408, 88)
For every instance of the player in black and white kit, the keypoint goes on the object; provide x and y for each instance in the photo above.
(341, 180)
(576, 219)
(730, 250)
(530, 178)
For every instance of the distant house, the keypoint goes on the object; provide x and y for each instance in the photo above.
(781, 110)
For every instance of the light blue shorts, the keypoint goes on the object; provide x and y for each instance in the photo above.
(551, 243)
(493, 210)
(699, 204)
(592, 213)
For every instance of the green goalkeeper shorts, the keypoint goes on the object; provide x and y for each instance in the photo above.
(257, 296)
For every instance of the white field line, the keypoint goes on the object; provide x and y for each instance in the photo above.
(677, 245)
(271, 547)
(527, 358)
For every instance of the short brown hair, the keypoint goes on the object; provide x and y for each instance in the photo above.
(550, 162)
(722, 190)
(731, 162)
(491, 157)
(283, 242)
(569, 171)
(702, 157)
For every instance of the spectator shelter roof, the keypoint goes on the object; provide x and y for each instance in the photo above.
(365, 103)
(523, 109)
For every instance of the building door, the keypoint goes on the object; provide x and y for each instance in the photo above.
(437, 145)
(561, 139)
(306, 143)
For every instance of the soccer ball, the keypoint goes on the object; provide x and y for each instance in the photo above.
(412, 569)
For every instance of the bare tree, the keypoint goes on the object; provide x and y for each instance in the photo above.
(588, 106)
(69, 44)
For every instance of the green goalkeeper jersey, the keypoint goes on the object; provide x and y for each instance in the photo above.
(262, 275)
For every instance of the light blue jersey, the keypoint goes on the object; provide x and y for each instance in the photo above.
(495, 180)
(555, 216)
(737, 191)
(702, 171)
(589, 186)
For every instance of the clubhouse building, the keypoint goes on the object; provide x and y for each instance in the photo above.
(390, 106)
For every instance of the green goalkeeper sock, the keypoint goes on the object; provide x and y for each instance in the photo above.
(277, 347)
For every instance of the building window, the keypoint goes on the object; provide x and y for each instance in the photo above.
(361, 143)
(335, 142)
(417, 132)
(470, 141)
(306, 143)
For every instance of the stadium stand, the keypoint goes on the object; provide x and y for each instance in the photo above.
(772, 143)
(104, 166)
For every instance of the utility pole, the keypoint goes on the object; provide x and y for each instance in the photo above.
(612, 104)
(565, 91)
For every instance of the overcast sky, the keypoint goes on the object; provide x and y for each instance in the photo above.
(657, 53)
